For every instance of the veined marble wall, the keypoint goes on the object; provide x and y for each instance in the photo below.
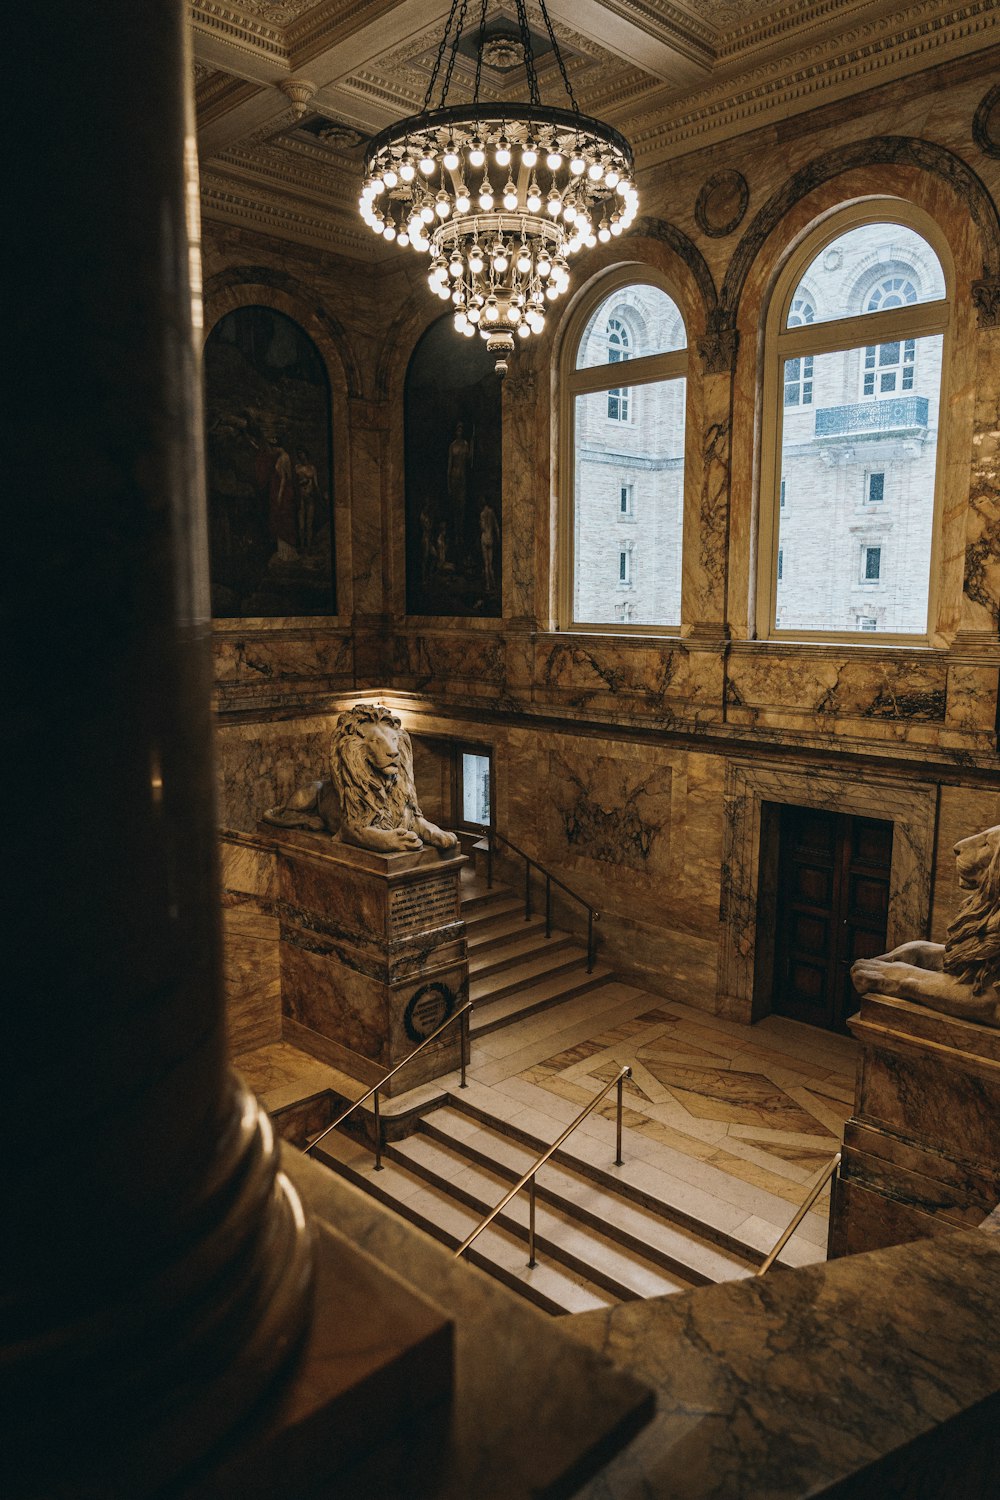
(613, 750)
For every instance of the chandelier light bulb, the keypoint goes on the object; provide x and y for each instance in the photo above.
(501, 260)
(595, 171)
(473, 314)
(604, 233)
(377, 186)
(611, 178)
(534, 199)
(523, 262)
(476, 153)
(552, 291)
(554, 160)
(407, 171)
(577, 165)
(492, 312)
(389, 177)
(426, 213)
(442, 204)
(427, 164)
(569, 213)
(554, 203)
(469, 330)
(389, 232)
(486, 195)
(510, 196)
(543, 265)
(402, 238)
(462, 200)
(524, 328)
(461, 322)
(529, 156)
(458, 297)
(476, 261)
(503, 152)
(450, 156)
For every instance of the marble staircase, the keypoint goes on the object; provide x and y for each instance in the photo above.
(604, 1235)
(515, 971)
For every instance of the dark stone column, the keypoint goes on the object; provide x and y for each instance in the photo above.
(156, 1269)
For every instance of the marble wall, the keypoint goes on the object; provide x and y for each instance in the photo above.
(615, 754)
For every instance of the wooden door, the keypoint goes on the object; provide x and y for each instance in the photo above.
(832, 907)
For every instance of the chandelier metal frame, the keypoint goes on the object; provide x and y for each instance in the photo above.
(500, 195)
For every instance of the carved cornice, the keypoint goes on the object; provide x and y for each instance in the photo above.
(328, 230)
(244, 32)
(790, 84)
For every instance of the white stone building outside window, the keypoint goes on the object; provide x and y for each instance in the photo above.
(865, 303)
(619, 442)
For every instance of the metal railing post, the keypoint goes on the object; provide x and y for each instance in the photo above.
(531, 1226)
(621, 1089)
(489, 860)
(527, 890)
(548, 906)
(590, 941)
(378, 1135)
(465, 1046)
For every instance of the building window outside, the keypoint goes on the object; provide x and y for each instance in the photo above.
(841, 451)
(475, 771)
(867, 622)
(637, 322)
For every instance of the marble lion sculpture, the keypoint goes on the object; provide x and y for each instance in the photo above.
(961, 976)
(370, 799)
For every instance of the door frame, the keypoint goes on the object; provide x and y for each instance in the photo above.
(742, 993)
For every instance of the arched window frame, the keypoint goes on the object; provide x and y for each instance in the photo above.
(833, 336)
(643, 370)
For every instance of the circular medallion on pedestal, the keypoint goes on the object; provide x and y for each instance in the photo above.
(428, 1008)
(722, 202)
(986, 122)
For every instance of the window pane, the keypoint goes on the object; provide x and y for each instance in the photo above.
(841, 448)
(631, 324)
(475, 788)
(646, 575)
(871, 269)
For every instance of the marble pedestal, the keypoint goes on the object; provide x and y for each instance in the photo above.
(922, 1149)
(372, 956)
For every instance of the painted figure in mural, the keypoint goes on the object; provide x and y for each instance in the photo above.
(307, 482)
(460, 453)
(282, 506)
(962, 975)
(370, 799)
(426, 544)
(489, 536)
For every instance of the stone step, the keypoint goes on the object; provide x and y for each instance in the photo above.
(499, 1251)
(500, 1003)
(504, 931)
(561, 1236)
(476, 897)
(691, 1257)
(483, 919)
(491, 959)
(590, 1152)
(540, 965)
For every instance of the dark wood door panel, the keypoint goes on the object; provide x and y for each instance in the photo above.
(832, 907)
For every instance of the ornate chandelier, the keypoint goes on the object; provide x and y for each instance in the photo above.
(500, 195)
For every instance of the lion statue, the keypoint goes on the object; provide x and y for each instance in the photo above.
(961, 976)
(370, 799)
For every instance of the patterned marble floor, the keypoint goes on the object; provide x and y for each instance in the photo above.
(743, 1117)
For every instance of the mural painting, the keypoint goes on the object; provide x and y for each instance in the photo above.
(268, 459)
(453, 437)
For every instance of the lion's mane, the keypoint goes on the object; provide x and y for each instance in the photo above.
(972, 950)
(367, 799)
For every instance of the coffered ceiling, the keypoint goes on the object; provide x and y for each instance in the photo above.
(287, 93)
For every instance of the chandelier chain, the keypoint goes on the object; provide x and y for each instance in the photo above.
(559, 56)
(529, 56)
(460, 24)
(479, 52)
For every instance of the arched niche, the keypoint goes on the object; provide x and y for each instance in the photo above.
(269, 468)
(452, 442)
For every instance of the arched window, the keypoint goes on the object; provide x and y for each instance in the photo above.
(623, 458)
(858, 322)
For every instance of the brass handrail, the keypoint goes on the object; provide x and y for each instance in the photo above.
(529, 1175)
(530, 863)
(463, 1010)
(803, 1209)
